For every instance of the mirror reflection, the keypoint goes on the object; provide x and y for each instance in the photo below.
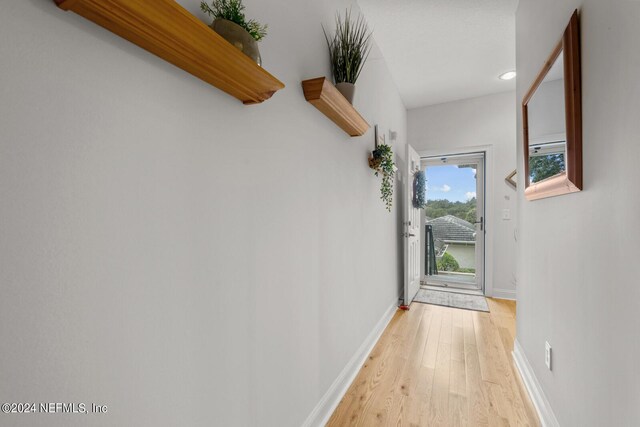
(547, 126)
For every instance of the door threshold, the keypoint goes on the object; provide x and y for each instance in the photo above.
(452, 290)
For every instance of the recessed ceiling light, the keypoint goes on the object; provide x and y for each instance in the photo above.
(507, 76)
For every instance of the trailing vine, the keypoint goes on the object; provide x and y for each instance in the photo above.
(419, 190)
(382, 163)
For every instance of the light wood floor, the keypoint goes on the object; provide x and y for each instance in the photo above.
(440, 366)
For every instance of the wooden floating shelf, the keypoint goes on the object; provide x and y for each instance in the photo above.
(166, 29)
(326, 98)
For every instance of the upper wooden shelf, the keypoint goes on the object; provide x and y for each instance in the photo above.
(326, 98)
(166, 29)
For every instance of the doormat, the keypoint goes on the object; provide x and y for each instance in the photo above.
(450, 299)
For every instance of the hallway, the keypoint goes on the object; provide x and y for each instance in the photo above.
(439, 366)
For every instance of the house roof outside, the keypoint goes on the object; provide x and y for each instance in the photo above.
(449, 228)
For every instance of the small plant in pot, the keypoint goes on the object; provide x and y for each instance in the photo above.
(230, 22)
(381, 161)
(348, 51)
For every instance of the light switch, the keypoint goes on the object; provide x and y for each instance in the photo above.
(506, 214)
(547, 354)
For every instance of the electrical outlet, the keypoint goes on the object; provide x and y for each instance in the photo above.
(547, 354)
(506, 214)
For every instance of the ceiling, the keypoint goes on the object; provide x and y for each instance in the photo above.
(445, 50)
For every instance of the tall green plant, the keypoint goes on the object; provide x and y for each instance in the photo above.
(349, 48)
(233, 10)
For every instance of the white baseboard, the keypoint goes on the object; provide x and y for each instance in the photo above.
(504, 293)
(329, 402)
(545, 413)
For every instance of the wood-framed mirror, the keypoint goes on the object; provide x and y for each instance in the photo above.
(552, 122)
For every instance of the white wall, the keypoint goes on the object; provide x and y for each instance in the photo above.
(488, 120)
(464, 254)
(577, 260)
(169, 252)
(546, 111)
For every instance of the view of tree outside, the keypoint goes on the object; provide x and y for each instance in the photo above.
(543, 167)
(449, 263)
(463, 210)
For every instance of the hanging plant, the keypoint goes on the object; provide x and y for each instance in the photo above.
(381, 161)
(419, 190)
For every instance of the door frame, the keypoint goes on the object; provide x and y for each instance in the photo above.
(478, 158)
(490, 219)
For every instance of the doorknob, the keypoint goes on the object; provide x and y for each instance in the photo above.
(409, 235)
(481, 222)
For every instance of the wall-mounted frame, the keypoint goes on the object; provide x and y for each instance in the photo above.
(380, 137)
(563, 64)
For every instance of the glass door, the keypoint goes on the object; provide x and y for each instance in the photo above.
(454, 221)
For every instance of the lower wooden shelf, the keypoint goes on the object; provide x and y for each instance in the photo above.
(325, 97)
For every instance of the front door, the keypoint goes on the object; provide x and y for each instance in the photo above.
(411, 229)
(455, 221)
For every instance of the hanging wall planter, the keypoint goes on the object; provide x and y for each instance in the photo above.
(381, 161)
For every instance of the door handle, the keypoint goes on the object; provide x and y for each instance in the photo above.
(409, 235)
(481, 222)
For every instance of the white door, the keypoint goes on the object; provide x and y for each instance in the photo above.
(411, 229)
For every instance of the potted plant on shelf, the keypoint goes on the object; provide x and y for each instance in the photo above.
(381, 161)
(230, 22)
(348, 51)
